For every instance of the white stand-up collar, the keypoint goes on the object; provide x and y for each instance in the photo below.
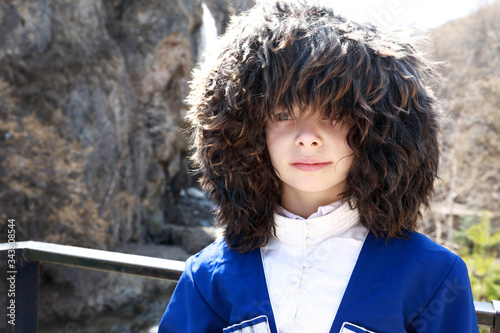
(310, 232)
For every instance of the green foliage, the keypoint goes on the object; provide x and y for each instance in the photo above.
(480, 251)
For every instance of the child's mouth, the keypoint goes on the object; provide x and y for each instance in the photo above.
(310, 167)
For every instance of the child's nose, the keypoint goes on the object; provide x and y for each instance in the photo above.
(308, 135)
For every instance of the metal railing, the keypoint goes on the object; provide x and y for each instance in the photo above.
(28, 255)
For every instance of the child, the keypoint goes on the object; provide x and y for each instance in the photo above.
(317, 139)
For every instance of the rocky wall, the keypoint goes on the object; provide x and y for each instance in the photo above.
(91, 103)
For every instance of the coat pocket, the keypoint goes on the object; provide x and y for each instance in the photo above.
(258, 324)
(351, 328)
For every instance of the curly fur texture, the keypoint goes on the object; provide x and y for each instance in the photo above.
(285, 54)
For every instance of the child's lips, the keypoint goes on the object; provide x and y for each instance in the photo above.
(310, 166)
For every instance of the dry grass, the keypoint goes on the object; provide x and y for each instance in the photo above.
(41, 181)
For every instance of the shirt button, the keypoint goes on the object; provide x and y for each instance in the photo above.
(302, 291)
(307, 264)
(298, 322)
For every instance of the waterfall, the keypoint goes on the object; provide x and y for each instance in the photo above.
(208, 30)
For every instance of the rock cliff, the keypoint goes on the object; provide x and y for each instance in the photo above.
(91, 103)
(92, 97)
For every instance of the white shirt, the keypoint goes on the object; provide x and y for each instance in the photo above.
(309, 264)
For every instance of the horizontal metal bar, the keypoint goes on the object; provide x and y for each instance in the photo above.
(165, 269)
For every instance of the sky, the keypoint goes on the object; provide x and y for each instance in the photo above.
(424, 14)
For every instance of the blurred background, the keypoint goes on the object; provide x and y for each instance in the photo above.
(91, 152)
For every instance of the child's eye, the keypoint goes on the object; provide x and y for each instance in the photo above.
(335, 118)
(283, 117)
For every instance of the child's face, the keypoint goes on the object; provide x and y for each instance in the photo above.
(310, 155)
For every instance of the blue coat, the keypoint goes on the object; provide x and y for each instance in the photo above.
(402, 285)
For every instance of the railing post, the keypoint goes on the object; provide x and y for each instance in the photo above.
(26, 290)
(496, 322)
